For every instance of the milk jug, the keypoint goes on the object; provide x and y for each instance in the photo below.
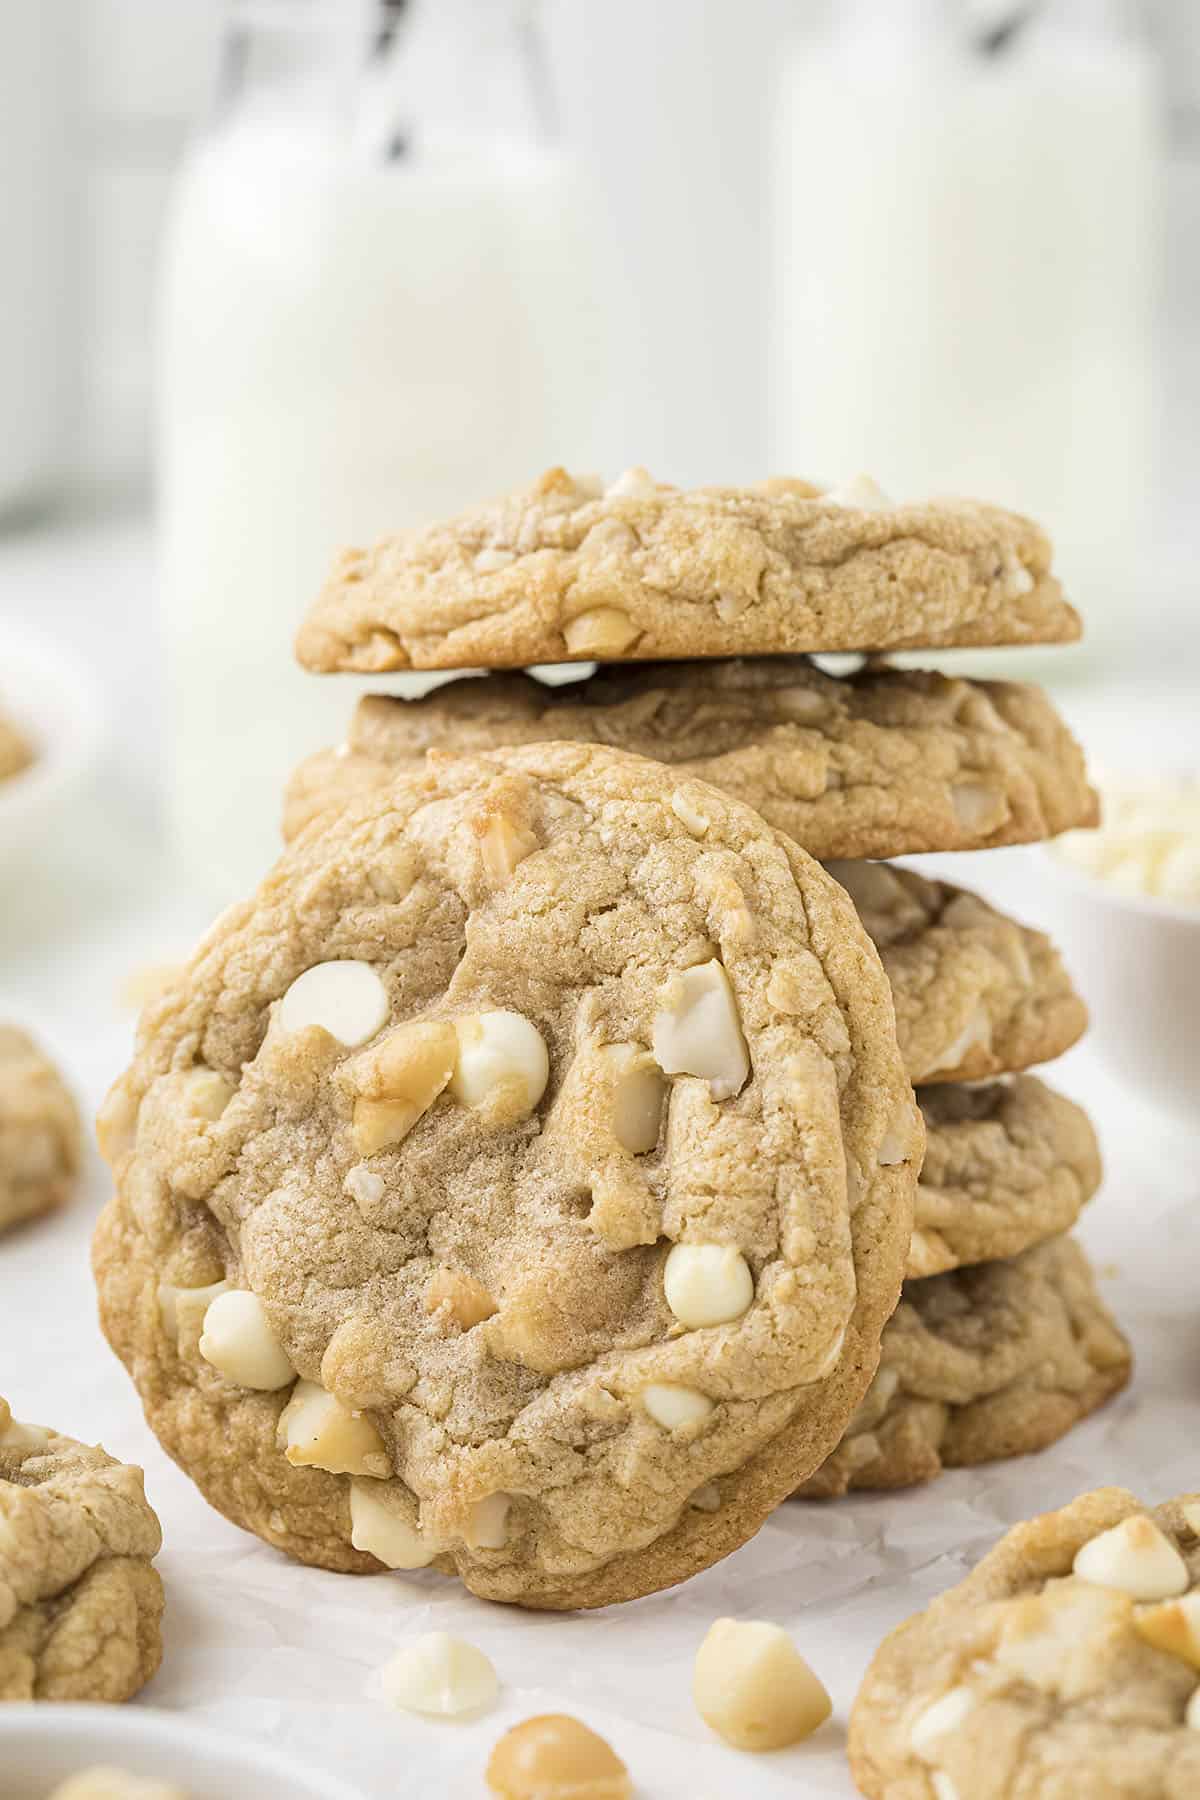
(376, 310)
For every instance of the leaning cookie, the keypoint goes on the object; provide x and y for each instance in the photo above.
(887, 762)
(39, 1131)
(977, 994)
(80, 1604)
(995, 1360)
(1064, 1666)
(518, 1183)
(568, 572)
(1008, 1164)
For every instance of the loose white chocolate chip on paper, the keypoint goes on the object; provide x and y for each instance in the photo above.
(316, 1431)
(381, 1531)
(502, 1065)
(707, 1284)
(239, 1342)
(697, 1030)
(554, 1757)
(754, 1689)
(438, 1675)
(1135, 1558)
(346, 999)
(673, 1406)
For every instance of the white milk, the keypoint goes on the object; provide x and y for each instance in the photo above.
(347, 347)
(965, 260)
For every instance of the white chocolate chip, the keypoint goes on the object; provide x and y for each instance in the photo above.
(398, 1079)
(636, 483)
(1173, 1626)
(976, 807)
(487, 1526)
(385, 1534)
(697, 1030)
(977, 1030)
(363, 1186)
(637, 1104)
(945, 1714)
(502, 1065)
(1135, 1558)
(316, 1431)
(346, 999)
(602, 631)
(863, 494)
(1041, 1632)
(207, 1093)
(239, 1342)
(707, 1284)
(943, 1787)
(673, 1406)
(439, 1675)
(688, 813)
(1191, 1515)
(491, 558)
(753, 1687)
(184, 1308)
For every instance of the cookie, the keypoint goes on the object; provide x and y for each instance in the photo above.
(887, 762)
(1064, 1667)
(16, 752)
(995, 1360)
(1007, 1164)
(976, 993)
(80, 1603)
(543, 1114)
(39, 1131)
(566, 572)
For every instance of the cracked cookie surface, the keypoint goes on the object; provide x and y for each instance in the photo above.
(39, 1131)
(579, 1237)
(996, 1360)
(977, 994)
(1064, 1666)
(80, 1603)
(883, 763)
(565, 572)
(1007, 1165)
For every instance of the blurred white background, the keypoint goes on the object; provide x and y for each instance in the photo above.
(301, 283)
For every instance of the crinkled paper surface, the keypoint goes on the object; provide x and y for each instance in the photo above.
(267, 1649)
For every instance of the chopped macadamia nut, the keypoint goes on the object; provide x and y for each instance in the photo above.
(399, 1079)
(461, 1299)
(697, 1030)
(438, 1675)
(487, 1527)
(316, 1431)
(604, 631)
(707, 1284)
(637, 1101)
(944, 1714)
(1173, 1626)
(503, 845)
(239, 1342)
(861, 493)
(554, 1757)
(346, 999)
(753, 1687)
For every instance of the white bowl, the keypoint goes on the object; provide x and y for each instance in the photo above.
(41, 1745)
(57, 705)
(1137, 964)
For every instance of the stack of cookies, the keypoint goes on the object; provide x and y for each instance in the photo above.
(1001, 1342)
(522, 1181)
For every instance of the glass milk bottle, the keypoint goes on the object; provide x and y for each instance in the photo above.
(965, 255)
(375, 311)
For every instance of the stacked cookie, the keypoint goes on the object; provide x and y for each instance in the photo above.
(1001, 1342)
